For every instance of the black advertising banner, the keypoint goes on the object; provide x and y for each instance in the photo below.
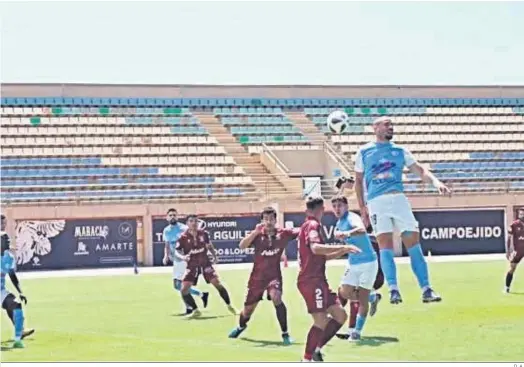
(295, 220)
(461, 232)
(224, 232)
(75, 243)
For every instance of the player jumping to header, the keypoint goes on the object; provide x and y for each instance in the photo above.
(359, 277)
(515, 253)
(379, 166)
(9, 303)
(322, 304)
(193, 246)
(170, 235)
(269, 242)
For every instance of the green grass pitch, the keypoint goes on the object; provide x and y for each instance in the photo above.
(134, 318)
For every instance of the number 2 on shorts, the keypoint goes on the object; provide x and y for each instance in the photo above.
(318, 297)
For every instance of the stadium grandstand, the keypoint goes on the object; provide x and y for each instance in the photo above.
(133, 143)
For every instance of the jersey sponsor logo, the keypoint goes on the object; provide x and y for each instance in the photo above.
(448, 233)
(197, 251)
(270, 252)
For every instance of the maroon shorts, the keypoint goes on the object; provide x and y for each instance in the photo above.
(192, 274)
(256, 289)
(317, 295)
(516, 256)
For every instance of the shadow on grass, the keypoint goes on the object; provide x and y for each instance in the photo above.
(266, 343)
(375, 341)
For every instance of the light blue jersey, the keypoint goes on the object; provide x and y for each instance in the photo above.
(8, 263)
(381, 165)
(171, 235)
(350, 221)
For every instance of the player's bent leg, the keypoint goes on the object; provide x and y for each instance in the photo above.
(363, 310)
(419, 266)
(281, 312)
(15, 307)
(9, 305)
(335, 322)
(509, 274)
(320, 319)
(177, 285)
(347, 293)
(243, 319)
(222, 291)
(389, 268)
(188, 298)
(194, 291)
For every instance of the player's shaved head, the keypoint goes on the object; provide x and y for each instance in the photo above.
(383, 128)
(315, 206)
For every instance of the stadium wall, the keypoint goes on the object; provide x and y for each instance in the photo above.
(231, 91)
(144, 213)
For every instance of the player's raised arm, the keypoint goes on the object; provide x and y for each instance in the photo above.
(318, 248)
(336, 254)
(424, 174)
(248, 240)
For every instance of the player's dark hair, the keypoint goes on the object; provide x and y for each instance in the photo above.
(339, 198)
(268, 211)
(314, 202)
(2, 216)
(171, 210)
(191, 216)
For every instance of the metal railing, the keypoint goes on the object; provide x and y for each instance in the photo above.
(339, 159)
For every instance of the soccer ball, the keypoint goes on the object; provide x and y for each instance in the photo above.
(337, 122)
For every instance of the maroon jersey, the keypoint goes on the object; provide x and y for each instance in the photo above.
(268, 251)
(195, 247)
(517, 231)
(312, 267)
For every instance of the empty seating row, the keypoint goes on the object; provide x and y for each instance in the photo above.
(58, 111)
(481, 119)
(271, 139)
(433, 138)
(290, 102)
(118, 161)
(256, 120)
(138, 180)
(464, 187)
(17, 130)
(248, 111)
(443, 147)
(116, 171)
(186, 149)
(499, 174)
(75, 121)
(108, 181)
(250, 130)
(257, 149)
(478, 165)
(497, 155)
(369, 111)
(106, 140)
(432, 129)
(119, 194)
